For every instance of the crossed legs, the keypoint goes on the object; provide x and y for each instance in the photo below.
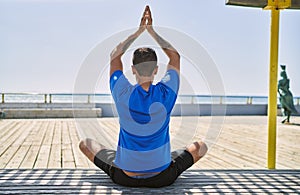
(91, 147)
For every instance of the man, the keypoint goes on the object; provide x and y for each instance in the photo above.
(143, 157)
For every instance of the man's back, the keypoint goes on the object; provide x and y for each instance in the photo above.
(144, 143)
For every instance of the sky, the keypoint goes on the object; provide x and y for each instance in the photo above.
(44, 43)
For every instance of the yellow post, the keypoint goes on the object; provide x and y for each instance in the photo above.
(272, 101)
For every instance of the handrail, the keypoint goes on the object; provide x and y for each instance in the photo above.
(193, 99)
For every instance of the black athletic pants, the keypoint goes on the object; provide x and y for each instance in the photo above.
(181, 161)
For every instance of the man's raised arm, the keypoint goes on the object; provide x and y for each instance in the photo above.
(116, 54)
(171, 52)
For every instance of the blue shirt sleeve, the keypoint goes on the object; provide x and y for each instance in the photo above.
(171, 80)
(118, 84)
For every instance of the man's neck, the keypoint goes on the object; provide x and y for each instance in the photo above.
(145, 82)
(146, 85)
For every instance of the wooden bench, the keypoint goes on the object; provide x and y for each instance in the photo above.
(93, 181)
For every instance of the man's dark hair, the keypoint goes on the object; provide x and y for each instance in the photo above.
(145, 61)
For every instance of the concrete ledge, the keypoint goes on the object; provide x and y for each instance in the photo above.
(109, 109)
(46, 105)
(53, 113)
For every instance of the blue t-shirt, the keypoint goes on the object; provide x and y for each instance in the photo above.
(144, 116)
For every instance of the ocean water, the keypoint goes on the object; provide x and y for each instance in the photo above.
(57, 98)
(106, 98)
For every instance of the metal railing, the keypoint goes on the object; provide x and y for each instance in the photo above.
(52, 98)
(106, 98)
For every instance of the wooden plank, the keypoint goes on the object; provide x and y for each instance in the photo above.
(65, 133)
(43, 157)
(68, 160)
(40, 133)
(44, 151)
(49, 133)
(67, 157)
(33, 130)
(55, 158)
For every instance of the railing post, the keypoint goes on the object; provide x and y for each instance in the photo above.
(3, 98)
(193, 99)
(45, 97)
(221, 100)
(249, 100)
(50, 98)
(89, 100)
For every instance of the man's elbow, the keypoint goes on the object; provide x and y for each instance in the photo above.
(174, 55)
(175, 58)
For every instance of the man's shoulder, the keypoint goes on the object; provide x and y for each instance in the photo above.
(118, 81)
(116, 74)
(170, 74)
(170, 80)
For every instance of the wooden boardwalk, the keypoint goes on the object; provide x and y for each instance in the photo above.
(41, 156)
(53, 143)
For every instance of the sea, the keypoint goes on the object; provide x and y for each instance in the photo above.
(107, 98)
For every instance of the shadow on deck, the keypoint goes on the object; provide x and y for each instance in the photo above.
(92, 181)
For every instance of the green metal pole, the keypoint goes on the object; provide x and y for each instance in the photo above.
(272, 101)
